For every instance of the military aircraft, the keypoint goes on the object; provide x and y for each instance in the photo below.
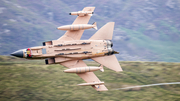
(70, 51)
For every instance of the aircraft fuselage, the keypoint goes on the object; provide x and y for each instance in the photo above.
(59, 51)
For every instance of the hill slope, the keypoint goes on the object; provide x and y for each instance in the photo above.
(32, 80)
(144, 30)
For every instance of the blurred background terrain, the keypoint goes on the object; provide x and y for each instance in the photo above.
(145, 30)
(32, 80)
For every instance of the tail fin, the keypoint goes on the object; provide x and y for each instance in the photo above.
(105, 33)
(110, 62)
(95, 25)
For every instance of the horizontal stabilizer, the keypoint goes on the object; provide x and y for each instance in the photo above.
(110, 62)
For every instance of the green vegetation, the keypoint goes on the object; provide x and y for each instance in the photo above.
(32, 80)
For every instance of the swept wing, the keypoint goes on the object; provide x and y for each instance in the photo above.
(89, 77)
(76, 35)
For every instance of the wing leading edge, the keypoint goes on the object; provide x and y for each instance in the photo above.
(89, 77)
(76, 35)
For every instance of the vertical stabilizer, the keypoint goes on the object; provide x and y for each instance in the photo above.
(105, 33)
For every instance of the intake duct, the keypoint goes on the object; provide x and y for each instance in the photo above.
(50, 61)
(47, 43)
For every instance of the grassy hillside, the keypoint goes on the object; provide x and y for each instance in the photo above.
(22, 80)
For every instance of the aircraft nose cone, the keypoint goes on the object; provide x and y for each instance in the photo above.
(18, 53)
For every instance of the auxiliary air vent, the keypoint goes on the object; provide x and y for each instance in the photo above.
(50, 61)
(47, 43)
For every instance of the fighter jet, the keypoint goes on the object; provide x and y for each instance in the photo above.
(70, 51)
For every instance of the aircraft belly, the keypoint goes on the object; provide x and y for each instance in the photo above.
(81, 49)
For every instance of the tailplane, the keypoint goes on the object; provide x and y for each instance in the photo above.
(110, 62)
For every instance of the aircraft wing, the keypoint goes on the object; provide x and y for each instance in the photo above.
(89, 77)
(76, 35)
